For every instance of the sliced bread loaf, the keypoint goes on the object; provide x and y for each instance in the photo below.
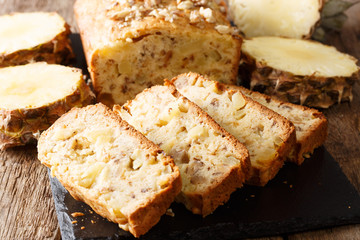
(268, 136)
(310, 124)
(103, 161)
(212, 162)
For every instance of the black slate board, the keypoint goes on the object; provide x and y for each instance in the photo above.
(314, 195)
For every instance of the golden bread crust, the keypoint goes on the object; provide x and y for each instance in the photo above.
(167, 39)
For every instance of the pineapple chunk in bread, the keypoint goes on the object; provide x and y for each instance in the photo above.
(286, 18)
(34, 95)
(298, 71)
(103, 161)
(132, 45)
(268, 136)
(36, 36)
(310, 124)
(212, 163)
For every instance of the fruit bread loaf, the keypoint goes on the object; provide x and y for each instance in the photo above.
(310, 124)
(36, 36)
(132, 45)
(268, 136)
(212, 163)
(34, 95)
(103, 161)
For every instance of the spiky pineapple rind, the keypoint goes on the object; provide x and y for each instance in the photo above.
(56, 51)
(21, 126)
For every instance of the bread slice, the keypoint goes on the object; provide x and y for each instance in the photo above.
(103, 161)
(34, 36)
(212, 163)
(34, 95)
(310, 124)
(132, 45)
(268, 136)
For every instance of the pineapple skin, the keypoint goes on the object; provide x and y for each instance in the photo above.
(56, 51)
(21, 126)
(311, 91)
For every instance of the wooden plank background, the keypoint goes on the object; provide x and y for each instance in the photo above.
(26, 204)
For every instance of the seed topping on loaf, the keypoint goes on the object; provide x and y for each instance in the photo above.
(197, 13)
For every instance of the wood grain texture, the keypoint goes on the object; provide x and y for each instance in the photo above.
(26, 205)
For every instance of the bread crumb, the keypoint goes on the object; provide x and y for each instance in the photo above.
(91, 212)
(284, 182)
(291, 186)
(92, 221)
(82, 228)
(77, 214)
(252, 195)
(170, 212)
(73, 222)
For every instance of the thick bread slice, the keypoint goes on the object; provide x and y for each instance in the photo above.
(34, 36)
(34, 95)
(103, 161)
(268, 136)
(310, 124)
(132, 45)
(212, 163)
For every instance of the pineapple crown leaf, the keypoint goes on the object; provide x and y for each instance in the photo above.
(336, 7)
(332, 17)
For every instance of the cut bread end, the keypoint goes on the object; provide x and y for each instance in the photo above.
(106, 163)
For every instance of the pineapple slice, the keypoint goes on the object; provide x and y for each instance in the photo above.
(33, 96)
(298, 71)
(37, 36)
(286, 18)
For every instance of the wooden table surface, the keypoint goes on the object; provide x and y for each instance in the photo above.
(26, 205)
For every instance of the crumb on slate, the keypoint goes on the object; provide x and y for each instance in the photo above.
(170, 212)
(82, 228)
(73, 222)
(77, 214)
(92, 221)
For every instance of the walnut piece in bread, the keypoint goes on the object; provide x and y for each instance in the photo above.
(103, 161)
(212, 163)
(268, 136)
(34, 37)
(132, 45)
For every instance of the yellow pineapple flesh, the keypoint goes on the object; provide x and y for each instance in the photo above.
(286, 18)
(33, 96)
(36, 36)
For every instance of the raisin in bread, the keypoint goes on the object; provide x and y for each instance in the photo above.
(132, 45)
(103, 161)
(310, 124)
(268, 136)
(212, 163)
(34, 36)
(31, 99)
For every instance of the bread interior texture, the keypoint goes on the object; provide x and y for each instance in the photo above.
(200, 151)
(124, 68)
